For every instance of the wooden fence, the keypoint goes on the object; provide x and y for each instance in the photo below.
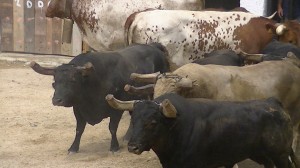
(24, 28)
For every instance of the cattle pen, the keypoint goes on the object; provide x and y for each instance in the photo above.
(33, 132)
(24, 28)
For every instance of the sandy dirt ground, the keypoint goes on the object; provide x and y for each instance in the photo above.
(34, 133)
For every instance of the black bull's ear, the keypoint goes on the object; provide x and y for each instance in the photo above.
(86, 69)
(168, 109)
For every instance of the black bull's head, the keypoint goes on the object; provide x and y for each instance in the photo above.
(67, 81)
(160, 83)
(146, 119)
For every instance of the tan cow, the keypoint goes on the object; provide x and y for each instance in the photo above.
(279, 79)
(101, 22)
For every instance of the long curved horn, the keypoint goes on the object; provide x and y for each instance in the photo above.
(118, 104)
(148, 78)
(41, 70)
(271, 17)
(147, 89)
(251, 57)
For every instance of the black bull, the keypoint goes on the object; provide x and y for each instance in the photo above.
(207, 133)
(85, 81)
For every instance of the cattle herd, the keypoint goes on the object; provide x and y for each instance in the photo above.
(204, 88)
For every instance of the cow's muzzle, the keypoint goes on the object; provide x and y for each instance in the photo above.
(60, 102)
(134, 148)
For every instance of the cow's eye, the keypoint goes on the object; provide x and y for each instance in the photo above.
(153, 122)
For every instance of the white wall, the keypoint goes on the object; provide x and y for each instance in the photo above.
(255, 6)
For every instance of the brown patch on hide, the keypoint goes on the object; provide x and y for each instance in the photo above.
(256, 29)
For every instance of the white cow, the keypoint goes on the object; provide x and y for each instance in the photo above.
(188, 35)
(101, 22)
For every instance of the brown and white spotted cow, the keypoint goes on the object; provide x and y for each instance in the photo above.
(188, 35)
(101, 22)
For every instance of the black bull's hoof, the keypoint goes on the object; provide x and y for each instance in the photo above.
(114, 147)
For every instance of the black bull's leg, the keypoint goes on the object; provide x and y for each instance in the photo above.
(113, 126)
(80, 126)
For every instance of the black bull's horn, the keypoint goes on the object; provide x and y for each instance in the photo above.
(252, 57)
(50, 71)
(41, 70)
(147, 78)
(147, 89)
(168, 109)
(118, 104)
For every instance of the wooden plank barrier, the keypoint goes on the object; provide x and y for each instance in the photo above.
(29, 26)
(25, 28)
(18, 25)
(6, 14)
(56, 35)
(40, 26)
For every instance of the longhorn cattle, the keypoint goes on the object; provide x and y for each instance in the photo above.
(207, 133)
(84, 82)
(101, 22)
(279, 79)
(188, 35)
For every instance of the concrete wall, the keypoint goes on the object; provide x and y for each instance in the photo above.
(255, 6)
